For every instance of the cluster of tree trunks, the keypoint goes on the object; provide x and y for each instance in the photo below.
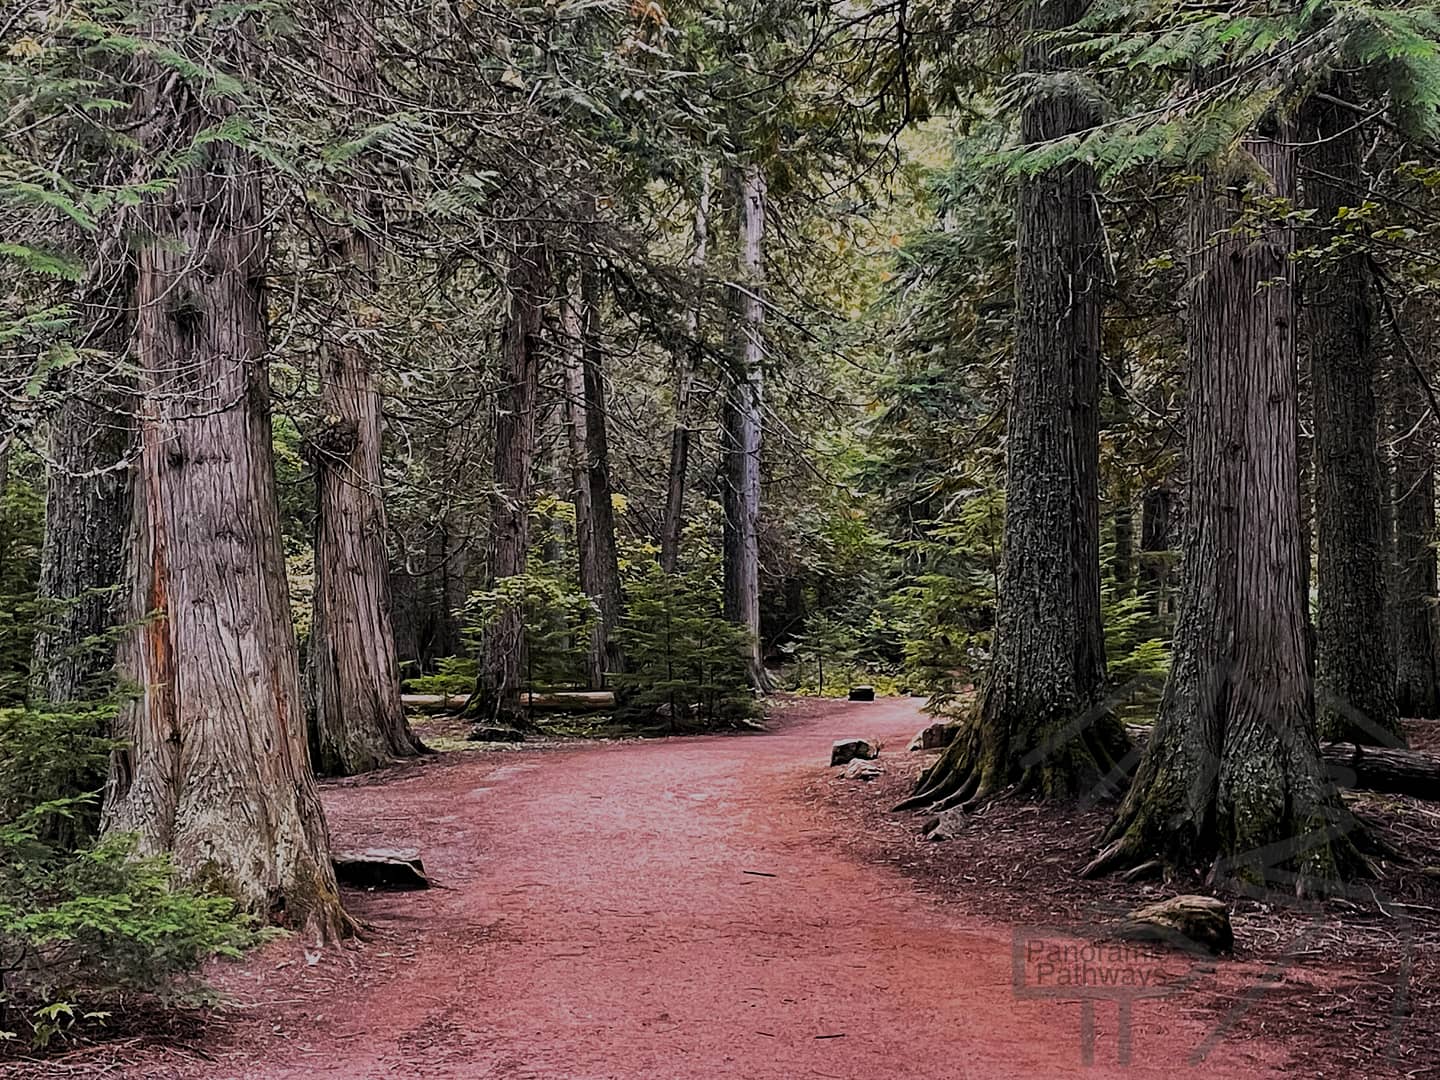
(1233, 770)
(428, 588)
(586, 409)
(1233, 778)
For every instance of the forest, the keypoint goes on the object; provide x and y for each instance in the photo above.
(619, 409)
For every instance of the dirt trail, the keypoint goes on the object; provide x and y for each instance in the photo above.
(597, 921)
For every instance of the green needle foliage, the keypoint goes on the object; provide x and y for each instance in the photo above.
(684, 661)
(87, 925)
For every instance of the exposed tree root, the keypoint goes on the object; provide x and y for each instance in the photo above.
(1088, 751)
(1309, 860)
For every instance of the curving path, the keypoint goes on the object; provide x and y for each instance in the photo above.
(597, 921)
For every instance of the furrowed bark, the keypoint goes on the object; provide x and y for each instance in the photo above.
(685, 361)
(743, 426)
(502, 656)
(1232, 774)
(1156, 544)
(1413, 592)
(1354, 669)
(1042, 723)
(597, 459)
(87, 511)
(352, 672)
(573, 325)
(215, 770)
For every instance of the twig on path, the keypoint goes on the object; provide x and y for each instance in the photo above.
(758, 873)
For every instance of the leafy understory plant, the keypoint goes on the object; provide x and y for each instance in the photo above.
(88, 926)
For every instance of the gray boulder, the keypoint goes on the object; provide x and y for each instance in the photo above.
(860, 769)
(845, 751)
(936, 736)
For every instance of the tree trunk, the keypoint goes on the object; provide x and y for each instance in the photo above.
(573, 325)
(1122, 565)
(1368, 768)
(1041, 723)
(1354, 671)
(497, 691)
(87, 511)
(1414, 597)
(597, 460)
(673, 528)
(1157, 511)
(743, 426)
(214, 770)
(1232, 772)
(352, 672)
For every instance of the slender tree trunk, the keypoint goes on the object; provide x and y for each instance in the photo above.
(597, 459)
(214, 770)
(497, 693)
(1305, 442)
(1041, 723)
(1232, 772)
(674, 524)
(573, 320)
(1123, 563)
(743, 426)
(352, 672)
(1414, 595)
(87, 512)
(1354, 669)
(1156, 547)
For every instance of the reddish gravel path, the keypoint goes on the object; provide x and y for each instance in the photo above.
(597, 921)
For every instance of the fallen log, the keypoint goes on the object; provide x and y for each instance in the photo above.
(1385, 769)
(561, 701)
(381, 868)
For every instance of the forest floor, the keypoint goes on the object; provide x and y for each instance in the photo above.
(720, 906)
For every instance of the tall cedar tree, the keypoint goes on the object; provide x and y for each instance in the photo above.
(352, 674)
(743, 423)
(572, 325)
(1232, 771)
(1413, 597)
(497, 691)
(214, 769)
(1354, 669)
(1042, 722)
(87, 507)
(608, 596)
(673, 527)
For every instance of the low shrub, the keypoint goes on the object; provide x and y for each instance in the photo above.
(87, 925)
